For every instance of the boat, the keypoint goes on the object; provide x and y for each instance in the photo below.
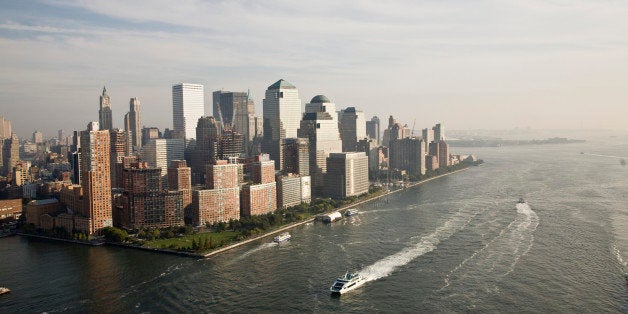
(4, 290)
(347, 283)
(331, 217)
(351, 212)
(521, 201)
(282, 237)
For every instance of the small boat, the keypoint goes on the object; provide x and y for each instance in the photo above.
(351, 212)
(347, 283)
(4, 290)
(282, 237)
(521, 201)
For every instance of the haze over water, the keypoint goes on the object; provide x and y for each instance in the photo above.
(458, 243)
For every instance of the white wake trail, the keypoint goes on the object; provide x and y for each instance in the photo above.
(428, 243)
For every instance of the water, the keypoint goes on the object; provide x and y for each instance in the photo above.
(458, 243)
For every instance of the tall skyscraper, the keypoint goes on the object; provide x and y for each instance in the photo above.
(443, 154)
(372, 129)
(10, 153)
(188, 105)
(321, 130)
(208, 132)
(5, 128)
(428, 137)
(95, 178)
(233, 110)
(282, 113)
(119, 149)
(133, 126)
(104, 113)
(352, 127)
(38, 137)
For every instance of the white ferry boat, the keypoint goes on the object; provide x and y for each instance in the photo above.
(282, 237)
(4, 290)
(347, 283)
(351, 212)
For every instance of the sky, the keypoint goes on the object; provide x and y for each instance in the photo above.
(501, 64)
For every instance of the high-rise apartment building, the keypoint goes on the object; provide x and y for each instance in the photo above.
(352, 127)
(428, 137)
(133, 126)
(10, 153)
(188, 105)
(96, 178)
(408, 154)
(372, 129)
(347, 174)
(443, 154)
(221, 200)
(104, 113)
(282, 114)
(179, 176)
(296, 156)
(234, 110)
(160, 152)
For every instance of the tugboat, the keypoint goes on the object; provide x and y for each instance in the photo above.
(4, 290)
(346, 283)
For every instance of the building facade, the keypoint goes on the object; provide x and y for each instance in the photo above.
(296, 156)
(188, 105)
(96, 178)
(352, 127)
(347, 174)
(282, 113)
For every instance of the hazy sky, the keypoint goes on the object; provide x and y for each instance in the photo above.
(468, 64)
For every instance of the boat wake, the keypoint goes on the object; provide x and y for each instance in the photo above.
(256, 249)
(500, 255)
(620, 259)
(428, 243)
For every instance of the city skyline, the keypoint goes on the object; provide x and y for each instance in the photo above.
(509, 64)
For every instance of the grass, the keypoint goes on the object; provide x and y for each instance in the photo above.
(180, 243)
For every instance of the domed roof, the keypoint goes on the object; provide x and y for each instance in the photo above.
(319, 99)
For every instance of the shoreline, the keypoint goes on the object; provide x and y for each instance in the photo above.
(234, 245)
(243, 242)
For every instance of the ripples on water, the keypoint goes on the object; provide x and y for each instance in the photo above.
(454, 244)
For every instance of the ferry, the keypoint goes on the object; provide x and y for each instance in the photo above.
(351, 212)
(4, 290)
(347, 283)
(331, 217)
(282, 237)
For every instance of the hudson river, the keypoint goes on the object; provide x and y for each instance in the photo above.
(454, 244)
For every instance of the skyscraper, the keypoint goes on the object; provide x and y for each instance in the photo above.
(95, 178)
(132, 125)
(234, 110)
(321, 130)
(439, 132)
(372, 129)
(296, 156)
(104, 113)
(188, 105)
(208, 132)
(428, 137)
(119, 148)
(352, 127)
(408, 154)
(38, 137)
(10, 153)
(282, 113)
(5, 128)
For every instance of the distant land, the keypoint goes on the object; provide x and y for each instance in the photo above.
(502, 142)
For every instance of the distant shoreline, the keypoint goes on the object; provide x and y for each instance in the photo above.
(501, 142)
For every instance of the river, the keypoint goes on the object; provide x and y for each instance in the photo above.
(457, 243)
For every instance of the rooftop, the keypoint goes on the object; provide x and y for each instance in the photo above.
(319, 99)
(282, 84)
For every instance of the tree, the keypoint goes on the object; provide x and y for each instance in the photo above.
(113, 234)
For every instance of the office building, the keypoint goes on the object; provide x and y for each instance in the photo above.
(347, 175)
(231, 144)
(104, 113)
(234, 110)
(188, 105)
(439, 132)
(149, 134)
(443, 154)
(293, 189)
(282, 113)
(372, 129)
(321, 130)
(352, 127)
(133, 126)
(296, 156)
(208, 133)
(5, 128)
(38, 137)
(96, 178)
(119, 149)
(10, 153)
(428, 137)
(160, 152)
